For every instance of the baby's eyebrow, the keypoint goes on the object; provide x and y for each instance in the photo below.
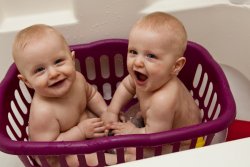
(131, 48)
(149, 52)
(34, 67)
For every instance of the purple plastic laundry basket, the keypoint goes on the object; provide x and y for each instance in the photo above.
(103, 63)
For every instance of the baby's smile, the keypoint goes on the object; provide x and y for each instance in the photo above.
(140, 77)
(57, 83)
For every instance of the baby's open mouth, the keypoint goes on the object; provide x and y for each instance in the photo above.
(58, 83)
(140, 76)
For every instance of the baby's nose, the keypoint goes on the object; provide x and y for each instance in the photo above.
(139, 61)
(53, 72)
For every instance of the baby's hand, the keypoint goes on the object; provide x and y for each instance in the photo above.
(120, 128)
(92, 127)
(109, 117)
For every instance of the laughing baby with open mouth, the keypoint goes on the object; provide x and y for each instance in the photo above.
(156, 46)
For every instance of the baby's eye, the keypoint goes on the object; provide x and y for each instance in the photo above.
(132, 52)
(39, 69)
(151, 56)
(58, 61)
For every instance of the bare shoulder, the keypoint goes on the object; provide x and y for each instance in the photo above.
(128, 83)
(41, 109)
(80, 78)
(162, 109)
(81, 83)
(167, 95)
(42, 120)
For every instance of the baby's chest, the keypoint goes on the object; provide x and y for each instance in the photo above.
(144, 101)
(70, 114)
(145, 107)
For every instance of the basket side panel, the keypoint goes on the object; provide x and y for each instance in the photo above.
(207, 83)
(14, 107)
(103, 63)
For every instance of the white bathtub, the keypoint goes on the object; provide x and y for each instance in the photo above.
(221, 26)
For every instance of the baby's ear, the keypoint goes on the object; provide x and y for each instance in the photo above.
(73, 59)
(22, 78)
(179, 64)
(73, 55)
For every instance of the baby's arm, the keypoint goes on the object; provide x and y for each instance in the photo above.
(160, 121)
(122, 95)
(43, 125)
(48, 129)
(95, 101)
(88, 128)
(162, 112)
(159, 117)
(92, 128)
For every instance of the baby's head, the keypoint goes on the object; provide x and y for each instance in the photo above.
(157, 43)
(44, 60)
(34, 38)
(172, 32)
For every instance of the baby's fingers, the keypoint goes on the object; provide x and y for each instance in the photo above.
(97, 135)
(96, 119)
(116, 131)
(98, 124)
(122, 117)
(99, 129)
(116, 125)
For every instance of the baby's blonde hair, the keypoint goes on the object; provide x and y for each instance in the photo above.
(161, 22)
(31, 34)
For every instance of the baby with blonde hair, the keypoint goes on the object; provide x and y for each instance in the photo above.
(65, 107)
(156, 46)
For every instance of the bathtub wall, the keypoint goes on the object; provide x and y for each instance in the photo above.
(221, 26)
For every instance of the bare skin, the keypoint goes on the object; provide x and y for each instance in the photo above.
(64, 106)
(155, 57)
